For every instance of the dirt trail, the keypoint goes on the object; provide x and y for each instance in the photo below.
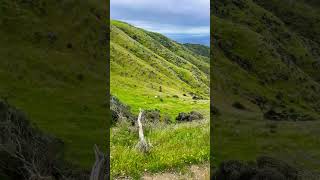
(195, 172)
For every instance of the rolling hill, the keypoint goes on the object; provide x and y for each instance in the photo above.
(152, 72)
(266, 80)
(149, 70)
(52, 67)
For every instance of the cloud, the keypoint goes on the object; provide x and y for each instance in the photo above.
(165, 16)
(170, 28)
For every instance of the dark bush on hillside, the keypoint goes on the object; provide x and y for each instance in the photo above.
(214, 111)
(182, 117)
(69, 45)
(265, 168)
(114, 115)
(52, 37)
(152, 115)
(274, 115)
(269, 174)
(196, 97)
(166, 118)
(279, 96)
(235, 170)
(120, 111)
(282, 167)
(193, 115)
(80, 77)
(26, 152)
(175, 96)
(238, 105)
(284, 114)
(135, 37)
(260, 101)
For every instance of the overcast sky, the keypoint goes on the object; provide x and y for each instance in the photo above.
(182, 20)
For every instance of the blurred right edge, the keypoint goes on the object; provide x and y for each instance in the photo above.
(265, 89)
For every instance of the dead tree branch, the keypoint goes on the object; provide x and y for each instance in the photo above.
(142, 145)
(99, 167)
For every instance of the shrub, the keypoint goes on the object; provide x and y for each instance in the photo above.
(273, 114)
(120, 111)
(263, 168)
(238, 105)
(175, 96)
(152, 115)
(182, 117)
(167, 119)
(193, 115)
(69, 45)
(196, 97)
(80, 77)
(215, 111)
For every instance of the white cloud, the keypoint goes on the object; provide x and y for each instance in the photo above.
(170, 28)
(175, 5)
(165, 16)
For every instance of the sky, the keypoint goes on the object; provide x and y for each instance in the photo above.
(185, 21)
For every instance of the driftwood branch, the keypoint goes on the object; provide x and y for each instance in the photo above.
(99, 167)
(142, 145)
(19, 138)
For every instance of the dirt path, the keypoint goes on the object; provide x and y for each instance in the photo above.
(195, 172)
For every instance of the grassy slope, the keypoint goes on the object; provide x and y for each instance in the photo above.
(141, 62)
(174, 147)
(61, 89)
(259, 55)
(199, 49)
(139, 67)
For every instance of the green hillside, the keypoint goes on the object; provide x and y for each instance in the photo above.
(266, 80)
(199, 49)
(150, 71)
(52, 67)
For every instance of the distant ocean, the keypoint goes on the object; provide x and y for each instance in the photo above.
(190, 38)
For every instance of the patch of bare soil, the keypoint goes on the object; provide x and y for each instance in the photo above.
(196, 172)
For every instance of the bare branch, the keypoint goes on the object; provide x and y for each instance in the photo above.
(142, 145)
(99, 167)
